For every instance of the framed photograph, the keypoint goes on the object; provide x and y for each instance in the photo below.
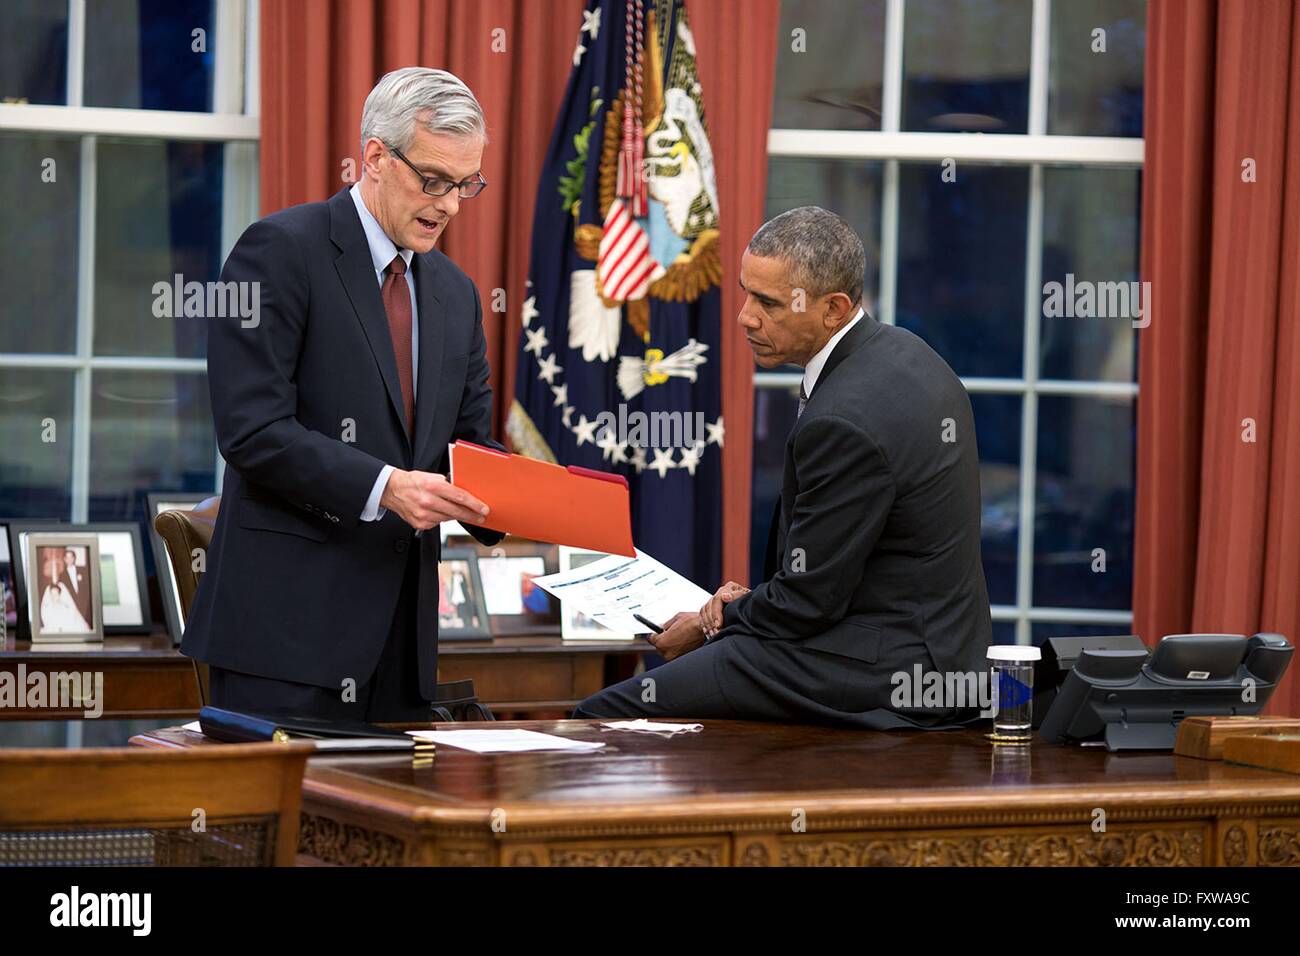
(15, 601)
(63, 587)
(119, 565)
(462, 609)
(514, 604)
(574, 625)
(158, 502)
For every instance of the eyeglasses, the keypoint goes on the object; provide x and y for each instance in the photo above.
(437, 186)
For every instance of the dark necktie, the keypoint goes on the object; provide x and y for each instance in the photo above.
(803, 400)
(397, 303)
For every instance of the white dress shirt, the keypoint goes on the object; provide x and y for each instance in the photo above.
(382, 251)
(813, 370)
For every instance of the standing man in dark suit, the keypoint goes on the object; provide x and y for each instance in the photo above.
(334, 406)
(75, 582)
(873, 563)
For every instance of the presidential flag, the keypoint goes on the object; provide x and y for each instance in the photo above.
(618, 358)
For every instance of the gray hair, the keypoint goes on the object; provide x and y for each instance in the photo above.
(824, 253)
(435, 98)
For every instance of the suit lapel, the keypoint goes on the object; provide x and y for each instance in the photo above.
(856, 336)
(357, 271)
(432, 330)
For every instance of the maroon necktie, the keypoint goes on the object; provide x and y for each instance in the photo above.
(397, 303)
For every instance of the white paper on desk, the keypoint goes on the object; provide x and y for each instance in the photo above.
(611, 589)
(502, 741)
(643, 726)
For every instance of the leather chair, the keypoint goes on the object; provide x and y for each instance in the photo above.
(184, 531)
(135, 807)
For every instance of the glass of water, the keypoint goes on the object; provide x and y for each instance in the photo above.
(1012, 672)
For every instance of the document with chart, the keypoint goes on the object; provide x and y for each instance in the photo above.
(613, 589)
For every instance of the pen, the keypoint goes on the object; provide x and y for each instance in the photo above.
(648, 623)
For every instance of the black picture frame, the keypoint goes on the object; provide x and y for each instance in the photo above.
(20, 631)
(528, 622)
(156, 502)
(97, 528)
(452, 559)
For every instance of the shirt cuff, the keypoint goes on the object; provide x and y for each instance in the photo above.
(372, 511)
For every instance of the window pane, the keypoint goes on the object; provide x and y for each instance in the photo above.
(34, 53)
(997, 428)
(1091, 292)
(38, 249)
(150, 431)
(1095, 87)
(966, 65)
(829, 77)
(849, 188)
(140, 54)
(158, 214)
(961, 264)
(1084, 502)
(36, 431)
(1004, 632)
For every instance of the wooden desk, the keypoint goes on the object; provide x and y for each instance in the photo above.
(147, 677)
(754, 794)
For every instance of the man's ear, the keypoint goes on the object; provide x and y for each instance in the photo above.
(372, 153)
(837, 312)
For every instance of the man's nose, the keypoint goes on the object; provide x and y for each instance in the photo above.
(748, 321)
(449, 204)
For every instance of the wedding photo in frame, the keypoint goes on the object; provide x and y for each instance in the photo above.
(121, 588)
(62, 587)
(156, 503)
(462, 608)
(574, 625)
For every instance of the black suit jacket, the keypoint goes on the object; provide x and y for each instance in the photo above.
(296, 586)
(878, 536)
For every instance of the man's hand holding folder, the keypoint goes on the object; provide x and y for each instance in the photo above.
(423, 500)
(546, 502)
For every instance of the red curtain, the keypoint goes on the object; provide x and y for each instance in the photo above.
(321, 57)
(1218, 485)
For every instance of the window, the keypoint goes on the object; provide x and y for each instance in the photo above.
(984, 149)
(129, 133)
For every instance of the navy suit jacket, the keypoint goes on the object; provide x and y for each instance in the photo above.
(308, 410)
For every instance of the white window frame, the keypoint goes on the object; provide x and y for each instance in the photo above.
(1034, 149)
(234, 121)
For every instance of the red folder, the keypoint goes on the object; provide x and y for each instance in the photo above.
(535, 499)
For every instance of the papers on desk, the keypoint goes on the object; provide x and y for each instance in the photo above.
(643, 726)
(502, 741)
(613, 588)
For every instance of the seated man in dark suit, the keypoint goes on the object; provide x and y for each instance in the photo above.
(873, 564)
